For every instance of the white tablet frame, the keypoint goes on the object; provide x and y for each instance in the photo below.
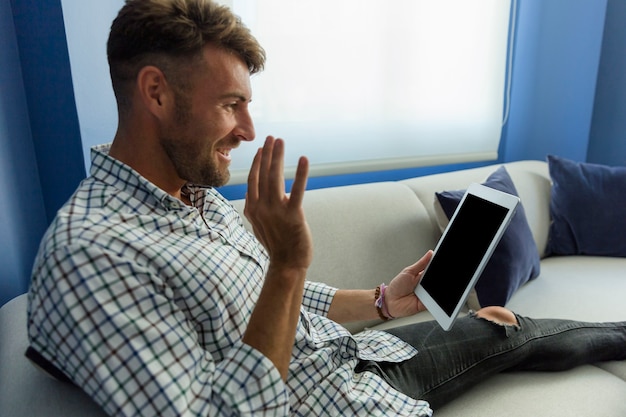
(505, 200)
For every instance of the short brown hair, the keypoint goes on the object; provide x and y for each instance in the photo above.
(164, 32)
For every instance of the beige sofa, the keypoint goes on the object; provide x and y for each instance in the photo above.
(364, 234)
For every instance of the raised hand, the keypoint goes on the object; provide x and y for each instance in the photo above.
(278, 220)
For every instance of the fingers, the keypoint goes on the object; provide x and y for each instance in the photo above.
(424, 260)
(299, 184)
(253, 178)
(421, 264)
(267, 153)
(277, 220)
(270, 171)
(266, 178)
(266, 170)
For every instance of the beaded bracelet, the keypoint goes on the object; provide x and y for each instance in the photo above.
(379, 303)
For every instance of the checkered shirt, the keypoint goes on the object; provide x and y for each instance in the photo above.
(142, 302)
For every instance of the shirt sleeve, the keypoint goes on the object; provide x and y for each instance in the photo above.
(113, 328)
(317, 297)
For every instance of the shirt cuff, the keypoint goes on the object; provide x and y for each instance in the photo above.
(249, 383)
(317, 297)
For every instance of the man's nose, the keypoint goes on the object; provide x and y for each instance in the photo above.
(245, 126)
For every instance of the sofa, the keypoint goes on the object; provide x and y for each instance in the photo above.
(364, 235)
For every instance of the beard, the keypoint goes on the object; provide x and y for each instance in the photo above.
(193, 166)
(192, 159)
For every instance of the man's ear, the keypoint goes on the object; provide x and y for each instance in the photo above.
(154, 90)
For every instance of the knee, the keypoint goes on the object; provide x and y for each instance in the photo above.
(499, 315)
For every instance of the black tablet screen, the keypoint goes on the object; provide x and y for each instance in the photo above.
(460, 253)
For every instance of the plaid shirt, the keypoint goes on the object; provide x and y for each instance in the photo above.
(142, 302)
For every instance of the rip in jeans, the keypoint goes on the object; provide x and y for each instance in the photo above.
(508, 328)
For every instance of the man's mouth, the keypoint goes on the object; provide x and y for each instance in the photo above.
(224, 154)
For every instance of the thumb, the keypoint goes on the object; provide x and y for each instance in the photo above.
(421, 264)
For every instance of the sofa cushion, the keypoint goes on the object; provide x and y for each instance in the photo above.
(587, 288)
(583, 391)
(515, 260)
(25, 390)
(588, 209)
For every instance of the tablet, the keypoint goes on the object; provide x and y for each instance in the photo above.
(463, 250)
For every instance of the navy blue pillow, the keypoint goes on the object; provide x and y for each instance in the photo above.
(588, 209)
(516, 258)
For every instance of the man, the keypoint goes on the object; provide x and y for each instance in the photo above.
(149, 294)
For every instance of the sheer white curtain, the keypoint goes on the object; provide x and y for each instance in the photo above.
(362, 85)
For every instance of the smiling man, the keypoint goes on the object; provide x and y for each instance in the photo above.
(150, 295)
(185, 119)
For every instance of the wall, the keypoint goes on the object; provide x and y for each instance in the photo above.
(42, 44)
(555, 72)
(87, 26)
(22, 213)
(607, 142)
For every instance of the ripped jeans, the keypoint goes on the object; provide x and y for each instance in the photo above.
(449, 363)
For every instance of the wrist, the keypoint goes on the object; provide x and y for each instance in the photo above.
(285, 277)
(379, 303)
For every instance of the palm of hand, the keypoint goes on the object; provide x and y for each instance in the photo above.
(400, 298)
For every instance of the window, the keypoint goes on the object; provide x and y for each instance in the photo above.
(363, 85)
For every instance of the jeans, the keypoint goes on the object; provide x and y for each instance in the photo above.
(449, 363)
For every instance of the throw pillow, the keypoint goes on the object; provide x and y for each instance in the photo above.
(588, 209)
(515, 260)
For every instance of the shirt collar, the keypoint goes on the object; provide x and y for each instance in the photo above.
(121, 176)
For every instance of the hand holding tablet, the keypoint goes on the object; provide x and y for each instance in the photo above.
(463, 251)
